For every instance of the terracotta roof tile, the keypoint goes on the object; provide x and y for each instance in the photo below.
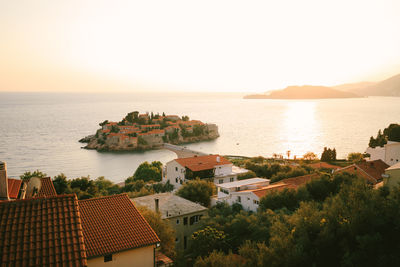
(14, 186)
(199, 163)
(162, 260)
(41, 232)
(293, 183)
(47, 189)
(111, 224)
(271, 188)
(323, 165)
(300, 180)
(370, 170)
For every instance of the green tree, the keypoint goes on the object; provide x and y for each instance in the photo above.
(149, 172)
(328, 155)
(103, 123)
(289, 173)
(60, 183)
(83, 187)
(310, 156)
(354, 157)
(106, 187)
(27, 175)
(114, 129)
(206, 240)
(392, 132)
(287, 198)
(163, 230)
(247, 175)
(141, 141)
(219, 259)
(197, 190)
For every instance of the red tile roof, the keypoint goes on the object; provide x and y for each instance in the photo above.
(47, 188)
(370, 170)
(14, 186)
(293, 183)
(162, 259)
(300, 180)
(323, 165)
(111, 224)
(273, 187)
(152, 132)
(199, 163)
(41, 232)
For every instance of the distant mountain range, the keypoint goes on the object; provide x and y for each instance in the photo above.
(388, 87)
(304, 92)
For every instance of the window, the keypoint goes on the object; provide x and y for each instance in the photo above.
(176, 180)
(177, 221)
(108, 257)
(232, 179)
(185, 221)
(184, 242)
(194, 219)
(176, 168)
(255, 202)
(176, 240)
(239, 199)
(221, 181)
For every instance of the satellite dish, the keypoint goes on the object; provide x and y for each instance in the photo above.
(33, 187)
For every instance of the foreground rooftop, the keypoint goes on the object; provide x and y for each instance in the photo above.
(170, 205)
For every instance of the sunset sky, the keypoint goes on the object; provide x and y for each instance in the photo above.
(195, 45)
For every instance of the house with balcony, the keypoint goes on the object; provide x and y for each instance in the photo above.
(214, 167)
(249, 192)
(240, 192)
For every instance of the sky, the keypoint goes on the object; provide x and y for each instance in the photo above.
(202, 46)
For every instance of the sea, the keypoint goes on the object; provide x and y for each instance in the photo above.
(40, 131)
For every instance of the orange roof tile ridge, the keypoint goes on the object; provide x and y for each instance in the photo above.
(103, 197)
(142, 216)
(41, 197)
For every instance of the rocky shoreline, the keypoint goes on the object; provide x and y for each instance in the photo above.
(142, 132)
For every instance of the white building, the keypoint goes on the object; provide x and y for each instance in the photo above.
(248, 192)
(244, 192)
(180, 170)
(389, 153)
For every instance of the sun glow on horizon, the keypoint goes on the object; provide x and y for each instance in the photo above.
(195, 46)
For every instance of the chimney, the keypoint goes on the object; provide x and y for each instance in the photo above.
(23, 190)
(3, 181)
(218, 159)
(157, 205)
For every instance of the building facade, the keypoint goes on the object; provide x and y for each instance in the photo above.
(389, 153)
(182, 214)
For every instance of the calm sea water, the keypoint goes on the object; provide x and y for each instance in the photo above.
(41, 131)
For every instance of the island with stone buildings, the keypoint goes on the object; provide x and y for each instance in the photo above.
(138, 132)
